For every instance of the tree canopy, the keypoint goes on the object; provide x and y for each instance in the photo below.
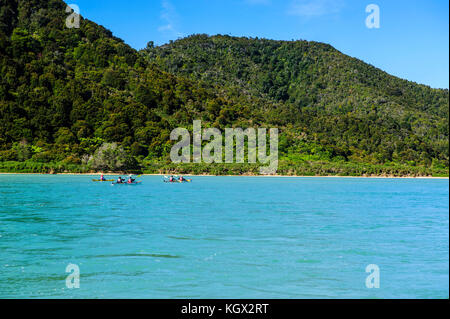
(65, 92)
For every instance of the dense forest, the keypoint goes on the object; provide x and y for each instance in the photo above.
(73, 98)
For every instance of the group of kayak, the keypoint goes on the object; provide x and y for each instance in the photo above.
(120, 180)
(132, 181)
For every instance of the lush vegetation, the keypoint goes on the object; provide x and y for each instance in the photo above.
(69, 98)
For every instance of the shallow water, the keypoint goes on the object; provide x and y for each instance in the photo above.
(224, 237)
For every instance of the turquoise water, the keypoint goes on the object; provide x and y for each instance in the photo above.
(224, 237)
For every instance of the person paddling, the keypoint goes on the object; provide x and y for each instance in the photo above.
(181, 179)
(130, 179)
(120, 180)
(171, 178)
(102, 178)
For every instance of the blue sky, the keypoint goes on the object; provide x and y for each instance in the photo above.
(412, 41)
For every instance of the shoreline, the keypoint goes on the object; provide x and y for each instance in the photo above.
(243, 175)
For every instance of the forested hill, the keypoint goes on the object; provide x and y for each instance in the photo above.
(64, 92)
(307, 74)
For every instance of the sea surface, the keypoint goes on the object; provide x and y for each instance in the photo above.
(224, 237)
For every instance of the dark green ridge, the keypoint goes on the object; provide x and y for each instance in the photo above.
(64, 92)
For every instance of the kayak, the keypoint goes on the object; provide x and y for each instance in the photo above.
(125, 183)
(105, 180)
(177, 181)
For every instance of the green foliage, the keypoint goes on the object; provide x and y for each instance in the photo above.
(112, 157)
(8, 155)
(22, 150)
(69, 91)
(64, 136)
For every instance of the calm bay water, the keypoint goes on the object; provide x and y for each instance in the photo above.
(224, 237)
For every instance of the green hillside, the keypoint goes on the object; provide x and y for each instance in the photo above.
(366, 113)
(66, 92)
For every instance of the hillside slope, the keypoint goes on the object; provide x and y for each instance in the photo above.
(64, 92)
(344, 100)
